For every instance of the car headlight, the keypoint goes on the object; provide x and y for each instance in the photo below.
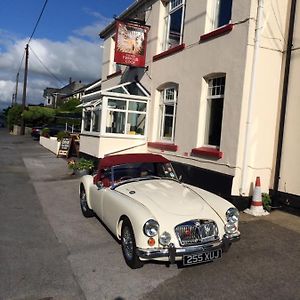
(165, 238)
(151, 228)
(232, 215)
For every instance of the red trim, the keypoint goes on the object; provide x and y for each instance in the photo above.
(163, 146)
(256, 203)
(114, 74)
(207, 151)
(219, 31)
(168, 52)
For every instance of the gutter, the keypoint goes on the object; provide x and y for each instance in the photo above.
(258, 29)
(284, 95)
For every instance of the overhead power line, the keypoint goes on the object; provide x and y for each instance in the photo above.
(46, 68)
(38, 20)
(20, 66)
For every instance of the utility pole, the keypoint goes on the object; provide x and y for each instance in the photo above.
(12, 100)
(16, 93)
(24, 89)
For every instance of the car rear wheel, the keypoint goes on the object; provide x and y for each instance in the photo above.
(86, 211)
(129, 246)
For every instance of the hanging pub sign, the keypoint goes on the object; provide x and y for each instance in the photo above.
(131, 41)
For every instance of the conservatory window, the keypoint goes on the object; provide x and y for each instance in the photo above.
(87, 120)
(136, 121)
(96, 119)
(126, 116)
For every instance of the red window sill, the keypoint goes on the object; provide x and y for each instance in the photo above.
(114, 74)
(163, 146)
(218, 32)
(207, 151)
(168, 52)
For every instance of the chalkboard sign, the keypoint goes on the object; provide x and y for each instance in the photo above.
(64, 147)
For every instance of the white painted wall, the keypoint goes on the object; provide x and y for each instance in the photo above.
(52, 144)
(105, 145)
(232, 54)
(289, 176)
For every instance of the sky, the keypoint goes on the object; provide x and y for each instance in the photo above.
(66, 43)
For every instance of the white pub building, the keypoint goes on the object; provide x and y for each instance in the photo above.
(205, 83)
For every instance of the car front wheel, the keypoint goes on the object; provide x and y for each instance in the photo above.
(86, 211)
(129, 246)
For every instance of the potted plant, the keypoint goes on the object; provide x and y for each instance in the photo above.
(81, 167)
(266, 200)
(46, 132)
(61, 135)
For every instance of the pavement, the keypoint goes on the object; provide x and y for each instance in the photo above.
(48, 250)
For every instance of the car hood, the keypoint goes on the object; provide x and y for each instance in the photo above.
(168, 197)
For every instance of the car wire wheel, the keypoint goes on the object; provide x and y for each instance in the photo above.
(127, 242)
(86, 211)
(129, 246)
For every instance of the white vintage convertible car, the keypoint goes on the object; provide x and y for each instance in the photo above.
(154, 215)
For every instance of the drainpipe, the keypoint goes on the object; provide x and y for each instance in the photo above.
(284, 95)
(258, 29)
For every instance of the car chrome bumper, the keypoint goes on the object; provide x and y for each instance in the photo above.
(171, 252)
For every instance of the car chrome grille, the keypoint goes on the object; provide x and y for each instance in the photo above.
(196, 232)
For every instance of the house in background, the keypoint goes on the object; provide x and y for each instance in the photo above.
(54, 97)
(208, 97)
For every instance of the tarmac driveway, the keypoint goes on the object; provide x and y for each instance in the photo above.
(49, 250)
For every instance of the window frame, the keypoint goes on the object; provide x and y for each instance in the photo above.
(213, 18)
(163, 103)
(167, 23)
(96, 106)
(127, 111)
(209, 98)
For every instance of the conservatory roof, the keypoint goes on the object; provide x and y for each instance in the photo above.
(130, 90)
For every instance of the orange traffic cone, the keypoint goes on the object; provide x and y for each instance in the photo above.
(256, 208)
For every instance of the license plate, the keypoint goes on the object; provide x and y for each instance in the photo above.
(198, 258)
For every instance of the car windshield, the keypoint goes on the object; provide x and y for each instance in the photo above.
(142, 171)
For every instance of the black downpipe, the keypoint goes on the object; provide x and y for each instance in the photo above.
(284, 94)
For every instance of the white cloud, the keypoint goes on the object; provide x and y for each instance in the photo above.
(92, 31)
(77, 58)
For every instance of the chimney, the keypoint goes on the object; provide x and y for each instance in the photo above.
(70, 80)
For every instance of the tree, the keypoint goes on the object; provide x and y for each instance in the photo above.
(36, 115)
(70, 106)
(14, 116)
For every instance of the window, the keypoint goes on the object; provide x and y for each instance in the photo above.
(96, 119)
(87, 120)
(126, 116)
(174, 24)
(92, 116)
(168, 113)
(220, 13)
(215, 100)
